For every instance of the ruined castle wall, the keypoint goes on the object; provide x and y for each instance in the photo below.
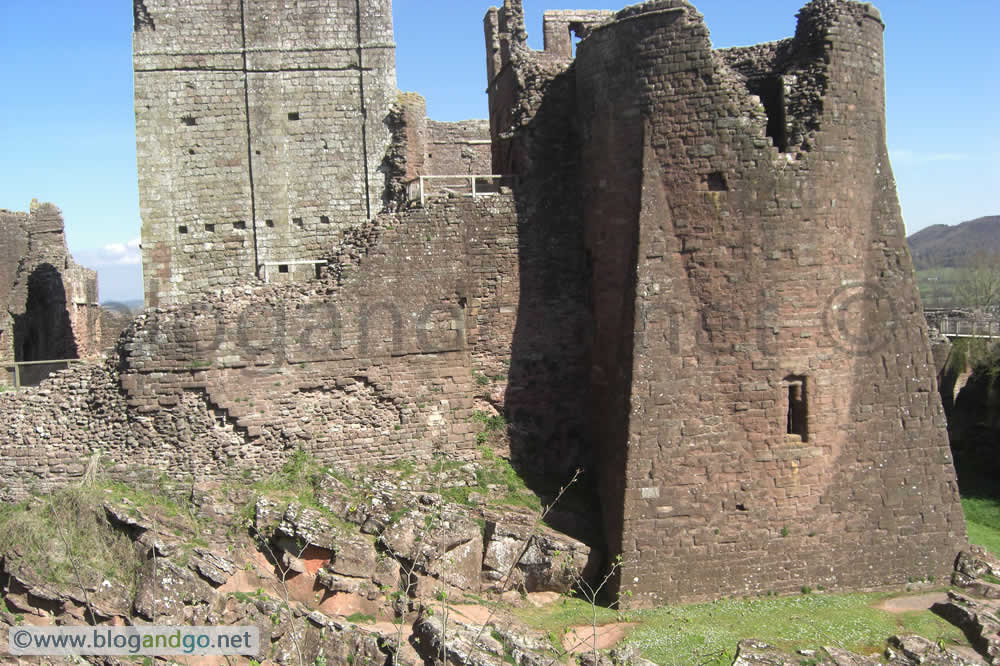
(782, 426)
(458, 148)
(373, 363)
(50, 306)
(433, 148)
(255, 142)
(533, 100)
(13, 246)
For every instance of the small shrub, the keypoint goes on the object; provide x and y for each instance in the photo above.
(361, 618)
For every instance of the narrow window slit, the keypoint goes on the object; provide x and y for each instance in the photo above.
(798, 407)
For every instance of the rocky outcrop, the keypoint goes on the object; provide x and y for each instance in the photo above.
(902, 651)
(979, 620)
(971, 569)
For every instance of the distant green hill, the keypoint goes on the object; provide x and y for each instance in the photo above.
(943, 246)
(124, 307)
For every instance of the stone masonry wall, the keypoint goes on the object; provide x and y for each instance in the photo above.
(261, 130)
(49, 303)
(13, 246)
(372, 363)
(458, 148)
(773, 417)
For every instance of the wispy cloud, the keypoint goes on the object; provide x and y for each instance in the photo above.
(113, 254)
(904, 156)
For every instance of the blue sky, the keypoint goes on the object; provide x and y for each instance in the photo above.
(67, 125)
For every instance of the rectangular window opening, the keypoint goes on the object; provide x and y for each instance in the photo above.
(269, 223)
(210, 227)
(190, 121)
(798, 407)
(324, 219)
(182, 229)
(772, 96)
(297, 221)
(239, 225)
(283, 268)
(294, 115)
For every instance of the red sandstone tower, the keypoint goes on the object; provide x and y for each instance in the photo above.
(765, 407)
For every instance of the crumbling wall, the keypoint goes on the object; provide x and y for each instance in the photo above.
(424, 147)
(260, 131)
(535, 137)
(49, 302)
(458, 148)
(562, 28)
(13, 246)
(372, 363)
(763, 385)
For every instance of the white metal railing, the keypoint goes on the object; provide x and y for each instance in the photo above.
(964, 328)
(14, 368)
(472, 185)
(959, 324)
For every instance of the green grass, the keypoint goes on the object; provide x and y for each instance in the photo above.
(709, 633)
(65, 539)
(361, 618)
(982, 519)
(296, 482)
(939, 287)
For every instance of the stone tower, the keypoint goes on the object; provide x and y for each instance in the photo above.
(260, 135)
(764, 408)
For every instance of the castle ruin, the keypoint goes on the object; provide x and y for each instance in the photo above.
(48, 303)
(698, 288)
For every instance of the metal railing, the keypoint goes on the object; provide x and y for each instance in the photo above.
(473, 186)
(31, 373)
(958, 324)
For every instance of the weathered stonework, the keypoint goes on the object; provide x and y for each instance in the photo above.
(260, 131)
(48, 303)
(372, 363)
(763, 392)
(698, 290)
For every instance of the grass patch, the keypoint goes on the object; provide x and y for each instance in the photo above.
(709, 633)
(297, 482)
(982, 520)
(67, 533)
(568, 612)
(361, 618)
(499, 473)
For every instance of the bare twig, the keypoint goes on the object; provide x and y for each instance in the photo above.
(72, 560)
(527, 544)
(283, 571)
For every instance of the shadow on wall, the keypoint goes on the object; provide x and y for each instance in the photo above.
(547, 393)
(43, 331)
